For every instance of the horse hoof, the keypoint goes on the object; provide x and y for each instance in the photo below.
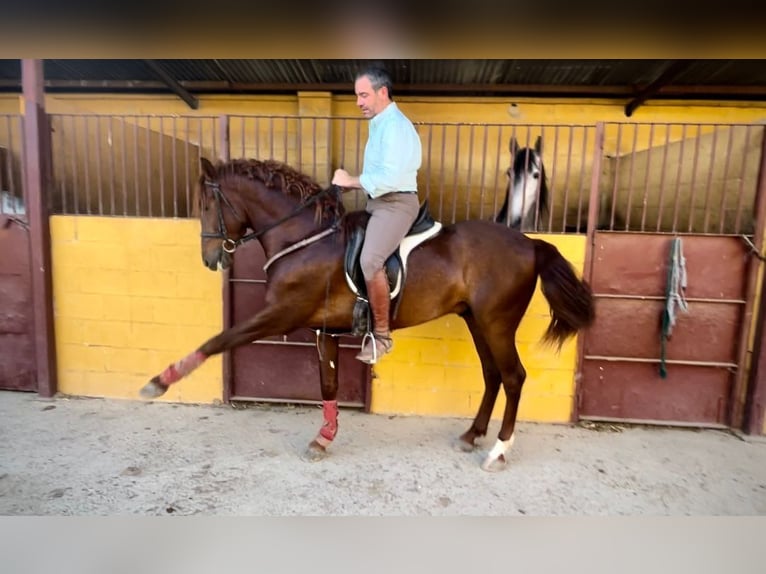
(152, 390)
(315, 452)
(494, 464)
(462, 445)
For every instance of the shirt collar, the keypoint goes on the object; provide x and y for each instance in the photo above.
(386, 111)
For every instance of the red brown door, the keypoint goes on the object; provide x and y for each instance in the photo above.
(17, 357)
(621, 364)
(284, 368)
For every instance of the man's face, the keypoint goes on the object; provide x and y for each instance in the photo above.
(371, 102)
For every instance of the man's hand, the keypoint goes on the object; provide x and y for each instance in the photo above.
(343, 179)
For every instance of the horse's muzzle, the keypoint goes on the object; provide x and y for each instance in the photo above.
(217, 260)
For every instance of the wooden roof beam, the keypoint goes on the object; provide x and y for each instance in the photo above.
(173, 84)
(670, 73)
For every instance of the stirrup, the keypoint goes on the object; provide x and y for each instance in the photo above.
(385, 341)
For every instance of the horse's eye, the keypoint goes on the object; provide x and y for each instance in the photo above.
(510, 172)
(536, 176)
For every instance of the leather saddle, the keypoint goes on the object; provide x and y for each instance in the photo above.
(423, 229)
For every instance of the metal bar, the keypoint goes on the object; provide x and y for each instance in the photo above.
(124, 168)
(693, 188)
(344, 404)
(86, 170)
(497, 170)
(455, 174)
(174, 158)
(111, 167)
(566, 176)
(483, 172)
(630, 178)
(617, 359)
(149, 164)
(582, 179)
(722, 206)
(99, 179)
(740, 192)
(441, 173)
(428, 165)
(136, 189)
(661, 298)
(187, 174)
(657, 422)
(470, 173)
(645, 199)
(662, 177)
(598, 152)
(678, 179)
(710, 179)
(617, 157)
(552, 180)
(738, 394)
(37, 171)
(161, 137)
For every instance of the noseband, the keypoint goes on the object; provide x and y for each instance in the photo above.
(230, 245)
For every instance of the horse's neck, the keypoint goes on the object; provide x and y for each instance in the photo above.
(280, 219)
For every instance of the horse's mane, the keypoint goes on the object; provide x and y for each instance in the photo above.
(278, 175)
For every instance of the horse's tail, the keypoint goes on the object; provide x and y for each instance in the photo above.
(570, 298)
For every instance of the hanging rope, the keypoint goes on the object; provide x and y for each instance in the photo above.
(674, 297)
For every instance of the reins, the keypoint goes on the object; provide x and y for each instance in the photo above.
(230, 245)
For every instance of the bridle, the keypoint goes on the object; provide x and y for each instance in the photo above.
(230, 245)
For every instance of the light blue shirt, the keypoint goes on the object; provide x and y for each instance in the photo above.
(392, 155)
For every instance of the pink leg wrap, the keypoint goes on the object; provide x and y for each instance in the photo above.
(330, 426)
(180, 369)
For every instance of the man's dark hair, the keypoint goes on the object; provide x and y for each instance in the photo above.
(379, 77)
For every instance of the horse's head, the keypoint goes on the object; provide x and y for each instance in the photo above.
(525, 177)
(222, 218)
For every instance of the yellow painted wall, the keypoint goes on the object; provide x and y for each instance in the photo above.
(131, 296)
(434, 368)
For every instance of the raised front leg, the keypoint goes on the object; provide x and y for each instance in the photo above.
(273, 320)
(327, 350)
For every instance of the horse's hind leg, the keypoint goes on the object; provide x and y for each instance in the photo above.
(327, 349)
(514, 375)
(492, 380)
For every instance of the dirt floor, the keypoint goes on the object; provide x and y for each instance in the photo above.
(78, 456)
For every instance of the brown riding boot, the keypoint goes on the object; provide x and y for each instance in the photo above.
(380, 342)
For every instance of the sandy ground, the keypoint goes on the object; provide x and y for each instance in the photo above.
(77, 456)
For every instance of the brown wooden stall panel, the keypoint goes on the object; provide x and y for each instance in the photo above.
(631, 328)
(17, 355)
(622, 350)
(284, 368)
(635, 392)
(636, 264)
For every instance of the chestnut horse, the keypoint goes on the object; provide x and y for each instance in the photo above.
(480, 270)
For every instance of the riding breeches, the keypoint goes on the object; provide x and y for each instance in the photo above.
(392, 215)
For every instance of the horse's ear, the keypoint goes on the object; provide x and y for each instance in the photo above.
(207, 168)
(538, 144)
(513, 146)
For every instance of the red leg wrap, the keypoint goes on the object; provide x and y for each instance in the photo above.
(180, 369)
(330, 426)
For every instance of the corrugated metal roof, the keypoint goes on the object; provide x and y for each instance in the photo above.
(711, 78)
